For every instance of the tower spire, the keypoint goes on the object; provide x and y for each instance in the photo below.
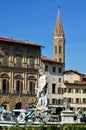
(59, 28)
(59, 40)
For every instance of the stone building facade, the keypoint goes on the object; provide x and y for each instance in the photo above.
(75, 89)
(54, 75)
(19, 67)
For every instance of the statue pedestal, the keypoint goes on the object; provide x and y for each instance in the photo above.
(67, 116)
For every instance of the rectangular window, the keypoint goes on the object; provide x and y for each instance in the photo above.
(84, 100)
(60, 91)
(78, 100)
(46, 67)
(18, 57)
(84, 90)
(18, 62)
(54, 69)
(60, 80)
(60, 101)
(53, 88)
(60, 70)
(69, 90)
(77, 90)
(5, 60)
(65, 90)
(54, 101)
(31, 61)
(70, 100)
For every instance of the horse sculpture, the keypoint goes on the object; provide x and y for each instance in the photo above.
(26, 115)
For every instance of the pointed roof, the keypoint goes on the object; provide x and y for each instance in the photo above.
(59, 28)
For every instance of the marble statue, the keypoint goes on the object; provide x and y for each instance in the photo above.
(66, 104)
(41, 95)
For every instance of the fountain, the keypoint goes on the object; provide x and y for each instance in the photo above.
(39, 115)
(41, 107)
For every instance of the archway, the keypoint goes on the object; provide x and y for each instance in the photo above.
(18, 105)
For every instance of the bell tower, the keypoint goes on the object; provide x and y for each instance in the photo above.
(59, 41)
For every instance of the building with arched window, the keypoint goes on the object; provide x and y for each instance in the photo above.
(19, 65)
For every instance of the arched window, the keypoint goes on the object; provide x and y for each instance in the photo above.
(60, 49)
(55, 49)
(5, 86)
(18, 87)
(32, 88)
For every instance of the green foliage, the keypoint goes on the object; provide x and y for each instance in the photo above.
(51, 127)
(74, 127)
(4, 128)
(33, 128)
(15, 128)
(80, 127)
(26, 128)
(66, 127)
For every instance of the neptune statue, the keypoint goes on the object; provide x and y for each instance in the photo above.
(42, 94)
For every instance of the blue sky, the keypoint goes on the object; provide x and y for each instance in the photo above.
(35, 20)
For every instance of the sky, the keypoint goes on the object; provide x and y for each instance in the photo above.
(35, 21)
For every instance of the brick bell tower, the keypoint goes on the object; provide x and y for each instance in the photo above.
(59, 41)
